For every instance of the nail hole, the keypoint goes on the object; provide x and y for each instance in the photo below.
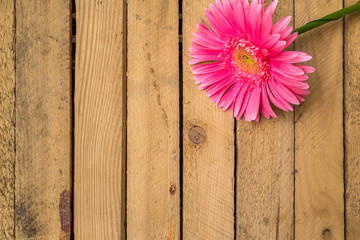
(172, 189)
(326, 231)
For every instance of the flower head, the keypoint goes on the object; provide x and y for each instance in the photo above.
(241, 60)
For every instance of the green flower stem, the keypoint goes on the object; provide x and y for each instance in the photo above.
(331, 17)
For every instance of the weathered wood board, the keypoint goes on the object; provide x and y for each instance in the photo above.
(7, 118)
(319, 186)
(43, 120)
(99, 120)
(352, 123)
(153, 189)
(99, 124)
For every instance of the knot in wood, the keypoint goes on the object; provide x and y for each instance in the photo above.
(326, 232)
(197, 135)
(172, 189)
(65, 211)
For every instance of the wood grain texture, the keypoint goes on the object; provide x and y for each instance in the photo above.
(7, 118)
(99, 120)
(265, 163)
(319, 196)
(43, 120)
(153, 188)
(208, 170)
(352, 123)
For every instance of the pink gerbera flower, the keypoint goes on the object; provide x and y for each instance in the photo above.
(243, 64)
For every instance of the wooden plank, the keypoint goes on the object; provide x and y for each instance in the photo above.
(208, 151)
(265, 164)
(153, 199)
(7, 118)
(43, 120)
(352, 123)
(99, 120)
(319, 196)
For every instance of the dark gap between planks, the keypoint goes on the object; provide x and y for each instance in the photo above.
(72, 62)
(344, 123)
(124, 136)
(235, 178)
(294, 144)
(181, 115)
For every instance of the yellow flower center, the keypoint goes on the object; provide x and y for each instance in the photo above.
(245, 61)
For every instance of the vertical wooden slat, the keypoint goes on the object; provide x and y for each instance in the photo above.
(153, 199)
(352, 123)
(319, 196)
(99, 120)
(265, 163)
(208, 143)
(7, 118)
(43, 120)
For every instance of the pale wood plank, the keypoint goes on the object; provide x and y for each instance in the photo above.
(7, 118)
(319, 196)
(208, 171)
(153, 199)
(43, 120)
(352, 123)
(265, 181)
(99, 120)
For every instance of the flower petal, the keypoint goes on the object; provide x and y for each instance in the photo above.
(239, 101)
(239, 16)
(300, 92)
(278, 96)
(206, 68)
(229, 97)
(281, 25)
(244, 104)
(285, 33)
(285, 56)
(288, 76)
(208, 79)
(257, 119)
(291, 83)
(218, 95)
(209, 34)
(272, 6)
(306, 69)
(301, 57)
(202, 40)
(252, 109)
(277, 48)
(251, 23)
(266, 25)
(200, 51)
(292, 57)
(230, 14)
(287, 68)
(218, 22)
(276, 101)
(257, 29)
(285, 93)
(289, 40)
(265, 106)
(270, 41)
(218, 86)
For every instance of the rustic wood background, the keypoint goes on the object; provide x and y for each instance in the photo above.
(105, 135)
